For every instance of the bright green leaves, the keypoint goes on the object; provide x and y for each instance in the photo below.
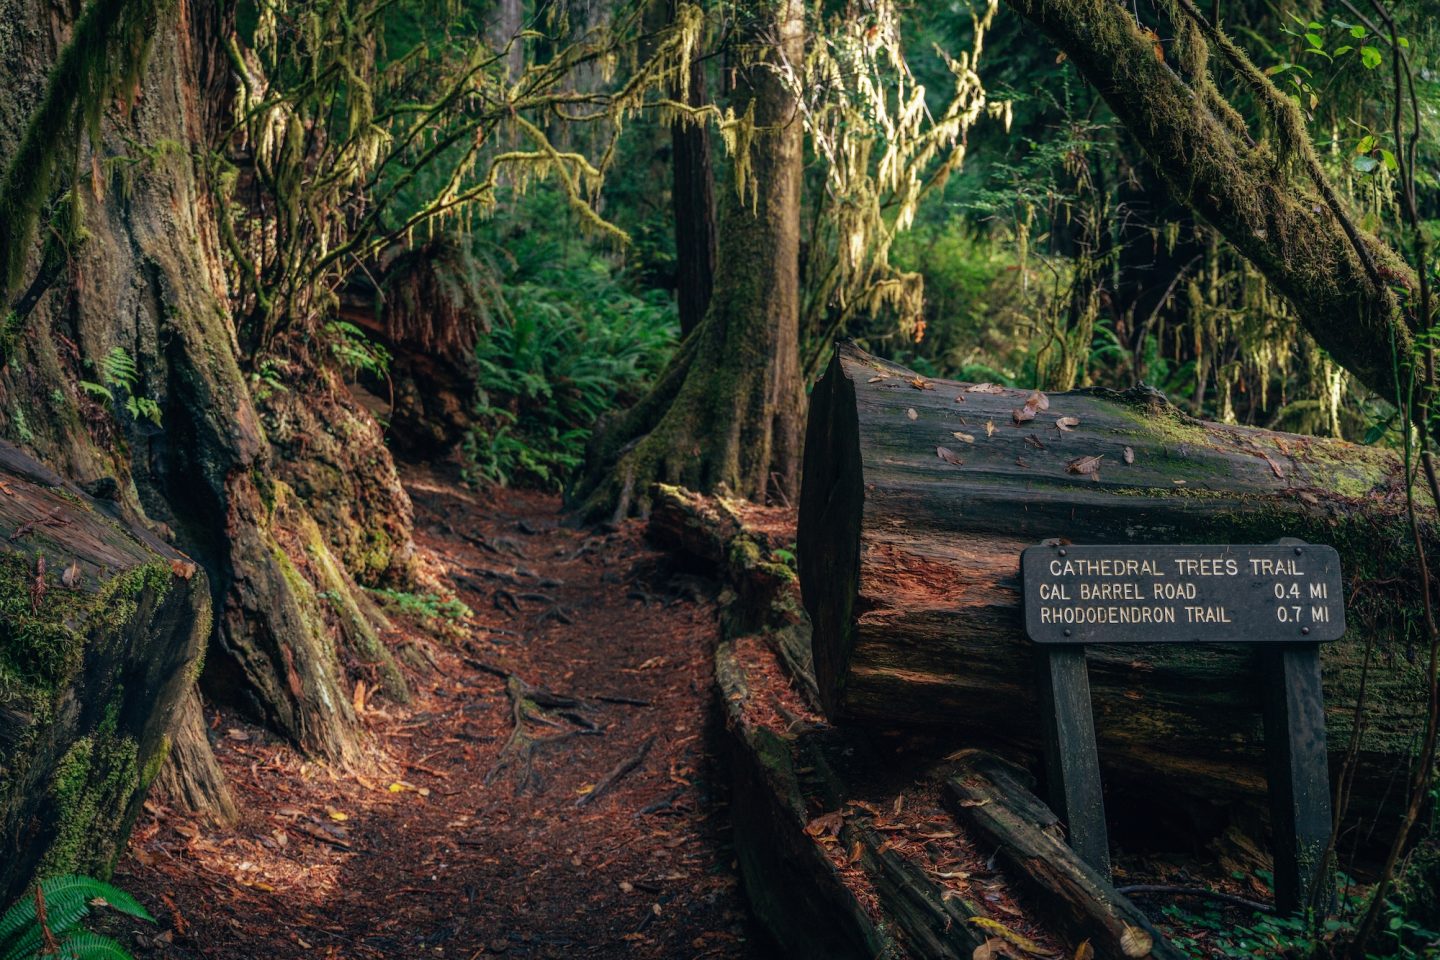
(1370, 57)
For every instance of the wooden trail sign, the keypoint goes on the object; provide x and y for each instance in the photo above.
(1180, 594)
(1287, 597)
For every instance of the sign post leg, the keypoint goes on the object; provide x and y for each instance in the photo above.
(1298, 771)
(1072, 766)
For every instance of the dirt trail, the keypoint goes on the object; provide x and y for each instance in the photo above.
(420, 856)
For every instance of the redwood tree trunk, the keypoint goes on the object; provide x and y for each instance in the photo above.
(693, 196)
(727, 412)
(147, 279)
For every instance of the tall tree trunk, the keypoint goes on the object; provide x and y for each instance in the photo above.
(142, 274)
(693, 195)
(728, 410)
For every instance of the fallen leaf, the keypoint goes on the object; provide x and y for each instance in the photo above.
(948, 455)
(1034, 441)
(984, 388)
(1038, 401)
(1129, 455)
(825, 825)
(1310, 498)
(1009, 936)
(183, 569)
(920, 383)
(855, 850)
(235, 734)
(1135, 942)
(960, 399)
(1155, 42)
(1084, 951)
(1067, 424)
(989, 428)
(358, 700)
(336, 815)
(1086, 466)
(1178, 483)
(963, 437)
(1023, 414)
(71, 576)
(876, 379)
(912, 414)
(1021, 463)
(1274, 467)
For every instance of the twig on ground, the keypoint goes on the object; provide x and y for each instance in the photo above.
(616, 775)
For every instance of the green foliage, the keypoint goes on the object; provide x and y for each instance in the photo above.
(576, 340)
(118, 371)
(354, 352)
(423, 606)
(67, 900)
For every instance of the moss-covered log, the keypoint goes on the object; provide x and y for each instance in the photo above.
(101, 629)
(909, 565)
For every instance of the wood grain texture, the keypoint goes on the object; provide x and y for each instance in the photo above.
(909, 565)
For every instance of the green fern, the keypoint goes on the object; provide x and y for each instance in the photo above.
(92, 946)
(68, 900)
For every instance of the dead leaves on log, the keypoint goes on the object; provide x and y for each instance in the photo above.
(1086, 466)
(948, 455)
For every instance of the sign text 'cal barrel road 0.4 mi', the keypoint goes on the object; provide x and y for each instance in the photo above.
(1287, 592)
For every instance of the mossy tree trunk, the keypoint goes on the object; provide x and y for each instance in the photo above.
(693, 200)
(143, 274)
(1268, 197)
(727, 412)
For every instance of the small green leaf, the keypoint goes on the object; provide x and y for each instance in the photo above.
(1389, 158)
(1370, 57)
(1314, 40)
(1343, 49)
(1366, 144)
(1376, 431)
(1403, 42)
(1366, 164)
(1357, 32)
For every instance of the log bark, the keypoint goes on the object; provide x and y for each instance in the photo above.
(909, 566)
(191, 779)
(1001, 812)
(101, 629)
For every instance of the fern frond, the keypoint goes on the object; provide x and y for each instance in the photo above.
(92, 946)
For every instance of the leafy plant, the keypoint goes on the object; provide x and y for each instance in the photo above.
(118, 371)
(47, 923)
(574, 341)
(424, 606)
(354, 351)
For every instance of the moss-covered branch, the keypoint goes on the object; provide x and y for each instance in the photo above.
(1346, 285)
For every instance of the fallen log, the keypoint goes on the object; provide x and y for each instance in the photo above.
(919, 496)
(1030, 846)
(101, 629)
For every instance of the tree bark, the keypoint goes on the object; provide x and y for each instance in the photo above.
(726, 413)
(101, 628)
(147, 278)
(1336, 275)
(693, 198)
(909, 569)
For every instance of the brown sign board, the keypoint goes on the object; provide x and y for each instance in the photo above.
(1188, 593)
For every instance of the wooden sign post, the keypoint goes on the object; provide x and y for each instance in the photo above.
(1286, 598)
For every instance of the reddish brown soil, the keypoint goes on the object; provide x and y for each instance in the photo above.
(418, 856)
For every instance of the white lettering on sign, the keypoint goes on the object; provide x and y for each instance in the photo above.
(1188, 592)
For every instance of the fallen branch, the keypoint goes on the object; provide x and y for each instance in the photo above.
(616, 775)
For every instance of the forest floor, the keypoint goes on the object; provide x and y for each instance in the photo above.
(459, 840)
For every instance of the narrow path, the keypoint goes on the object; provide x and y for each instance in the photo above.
(609, 650)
